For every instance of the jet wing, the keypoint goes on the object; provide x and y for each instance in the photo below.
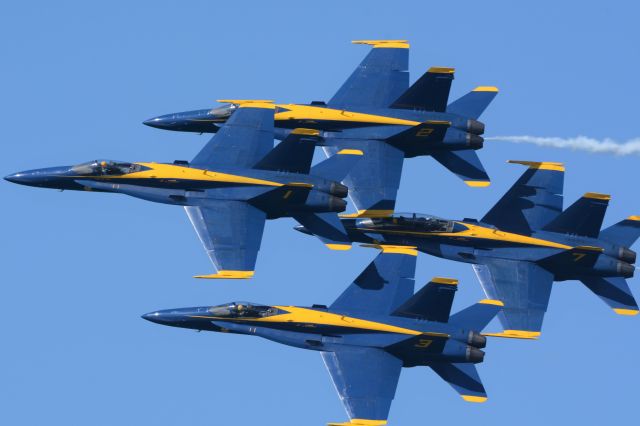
(380, 78)
(383, 286)
(366, 380)
(243, 140)
(231, 233)
(532, 202)
(523, 287)
(374, 180)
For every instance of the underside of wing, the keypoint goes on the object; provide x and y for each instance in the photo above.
(231, 233)
(242, 141)
(523, 287)
(532, 202)
(374, 180)
(379, 79)
(366, 380)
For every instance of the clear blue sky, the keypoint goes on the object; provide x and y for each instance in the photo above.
(78, 78)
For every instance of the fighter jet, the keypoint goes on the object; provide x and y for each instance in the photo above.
(377, 112)
(524, 244)
(236, 182)
(376, 327)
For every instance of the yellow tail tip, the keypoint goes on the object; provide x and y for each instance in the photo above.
(441, 70)
(486, 89)
(491, 302)
(443, 280)
(389, 44)
(350, 152)
(597, 196)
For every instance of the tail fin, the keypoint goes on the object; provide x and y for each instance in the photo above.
(474, 103)
(432, 302)
(624, 233)
(430, 92)
(465, 164)
(584, 217)
(615, 292)
(327, 227)
(337, 166)
(463, 378)
(478, 316)
(294, 154)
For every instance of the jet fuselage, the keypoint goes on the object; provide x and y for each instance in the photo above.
(416, 342)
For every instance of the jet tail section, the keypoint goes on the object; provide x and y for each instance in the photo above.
(430, 92)
(337, 166)
(465, 164)
(463, 378)
(327, 227)
(615, 292)
(584, 217)
(294, 154)
(473, 104)
(478, 316)
(624, 233)
(432, 302)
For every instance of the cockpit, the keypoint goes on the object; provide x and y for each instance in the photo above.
(412, 222)
(106, 168)
(242, 310)
(222, 113)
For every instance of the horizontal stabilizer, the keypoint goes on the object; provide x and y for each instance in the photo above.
(584, 217)
(338, 166)
(430, 92)
(294, 154)
(473, 104)
(534, 200)
(327, 227)
(464, 378)
(385, 284)
(465, 164)
(478, 316)
(615, 292)
(623, 233)
(432, 302)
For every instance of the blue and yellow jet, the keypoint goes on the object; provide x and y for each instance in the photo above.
(376, 327)
(524, 244)
(236, 182)
(377, 112)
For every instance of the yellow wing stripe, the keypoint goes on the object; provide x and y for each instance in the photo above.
(308, 112)
(170, 171)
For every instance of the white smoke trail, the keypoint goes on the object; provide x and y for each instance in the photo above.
(579, 143)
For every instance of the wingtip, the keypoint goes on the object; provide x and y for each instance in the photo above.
(478, 183)
(225, 274)
(626, 312)
(474, 398)
(486, 89)
(541, 165)
(389, 44)
(339, 247)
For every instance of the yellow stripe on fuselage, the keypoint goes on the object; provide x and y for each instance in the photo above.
(170, 171)
(298, 315)
(481, 233)
(306, 112)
